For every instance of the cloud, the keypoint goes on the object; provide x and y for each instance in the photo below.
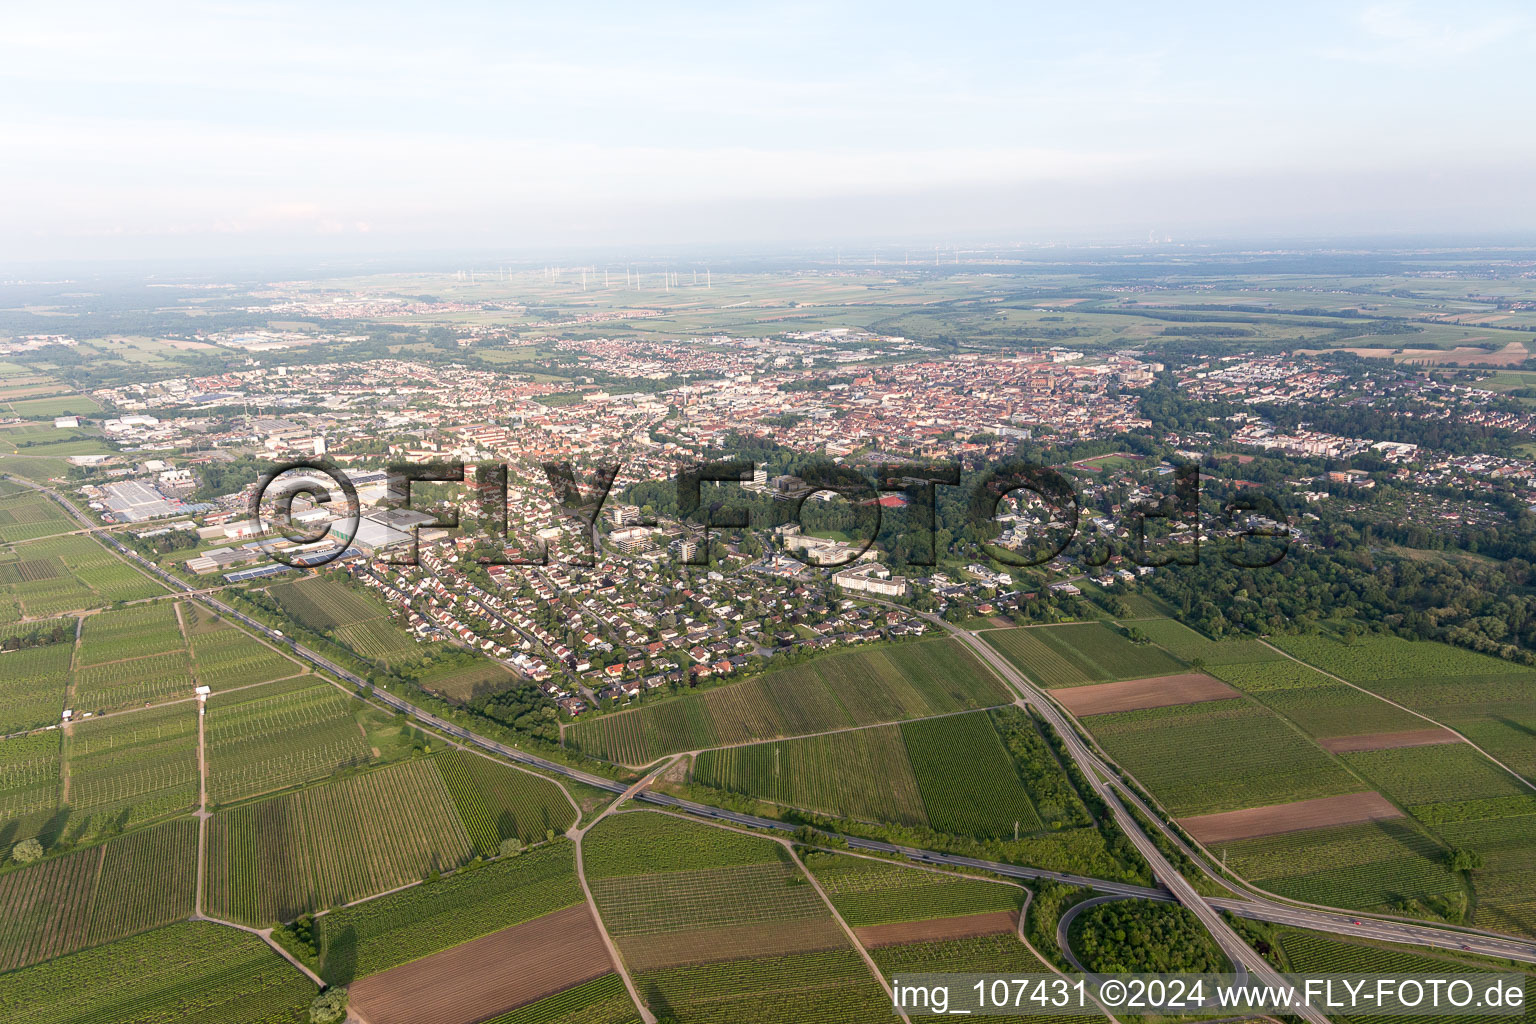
(1404, 35)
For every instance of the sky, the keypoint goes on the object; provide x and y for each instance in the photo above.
(154, 129)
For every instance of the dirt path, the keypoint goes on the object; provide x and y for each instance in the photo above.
(853, 936)
(578, 834)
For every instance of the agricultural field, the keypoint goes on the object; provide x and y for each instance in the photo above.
(133, 632)
(864, 774)
(827, 985)
(471, 983)
(1378, 865)
(704, 897)
(982, 954)
(32, 684)
(112, 685)
(497, 801)
(465, 682)
(226, 657)
(130, 768)
(189, 971)
(1372, 658)
(874, 892)
(1324, 708)
(1490, 701)
(1308, 952)
(381, 933)
(334, 609)
(69, 573)
(866, 687)
(29, 788)
(29, 515)
(129, 885)
(603, 1000)
(273, 736)
(332, 844)
(638, 842)
(1189, 645)
(967, 779)
(1446, 773)
(1080, 652)
(1219, 756)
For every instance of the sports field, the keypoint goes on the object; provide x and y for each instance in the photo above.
(865, 687)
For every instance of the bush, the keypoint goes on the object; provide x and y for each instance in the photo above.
(329, 1007)
(27, 851)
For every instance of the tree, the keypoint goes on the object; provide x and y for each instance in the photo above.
(329, 1007)
(511, 847)
(1463, 860)
(27, 851)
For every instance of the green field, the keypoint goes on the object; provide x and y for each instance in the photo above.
(70, 573)
(138, 681)
(381, 933)
(986, 954)
(1321, 706)
(497, 801)
(29, 515)
(29, 788)
(1378, 865)
(603, 1000)
(331, 844)
(967, 778)
(32, 683)
(837, 691)
(1315, 953)
(133, 632)
(704, 897)
(1219, 756)
(129, 885)
(1490, 701)
(870, 892)
(274, 736)
(1188, 645)
(864, 774)
(131, 768)
(224, 658)
(193, 971)
(639, 842)
(828, 985)
(952, 774)
(1079, 653)
(332, 608)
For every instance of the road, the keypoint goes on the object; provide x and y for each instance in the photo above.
(1174, 887)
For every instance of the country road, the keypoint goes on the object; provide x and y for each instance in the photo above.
(1174, 887)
